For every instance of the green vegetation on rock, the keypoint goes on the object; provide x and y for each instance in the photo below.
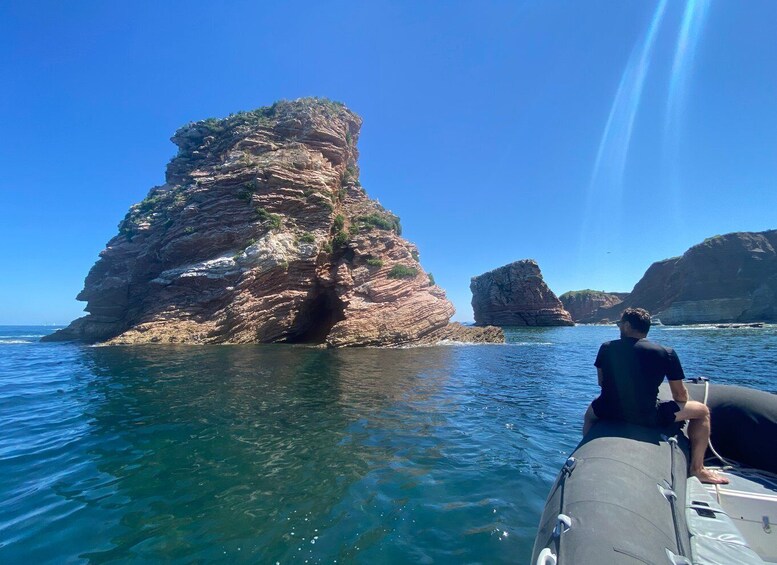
(193, 135)
(126, 228)
(153, 200)
(402, 272)
(585, 292)
(160, 207)
(375, 262)
(340, 238)
(381, 220)
(247, 190)
(273, 220)
(351, 175)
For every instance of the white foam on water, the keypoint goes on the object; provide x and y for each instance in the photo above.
(21, 336)
(704, 327)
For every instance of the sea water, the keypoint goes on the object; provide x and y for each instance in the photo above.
(290, 454)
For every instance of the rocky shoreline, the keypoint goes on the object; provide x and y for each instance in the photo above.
(725, 279)
(263, 233)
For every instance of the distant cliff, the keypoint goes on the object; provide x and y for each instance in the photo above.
(583, 305)
(516, 295)
(262, 232)
(726, 278)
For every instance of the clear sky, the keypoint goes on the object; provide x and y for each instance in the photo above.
(595, 137)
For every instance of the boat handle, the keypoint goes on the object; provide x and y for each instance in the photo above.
(668, 493)
(546, 557)
(766, 525)
(563, 524)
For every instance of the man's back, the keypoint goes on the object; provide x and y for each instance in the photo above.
(632, 370)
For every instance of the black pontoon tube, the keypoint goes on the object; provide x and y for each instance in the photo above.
(744, 423)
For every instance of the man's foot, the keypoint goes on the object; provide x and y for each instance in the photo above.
(710, 477)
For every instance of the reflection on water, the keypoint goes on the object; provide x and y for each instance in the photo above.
(287, 454)
(256, 448)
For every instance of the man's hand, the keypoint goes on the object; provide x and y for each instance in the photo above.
(679, 392)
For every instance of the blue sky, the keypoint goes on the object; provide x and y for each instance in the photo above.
(573, 133)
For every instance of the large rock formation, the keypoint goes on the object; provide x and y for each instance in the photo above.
(583, 305)
(263, 233)
(728, 278)
(516, 295)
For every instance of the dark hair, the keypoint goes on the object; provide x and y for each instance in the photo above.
(638, 319)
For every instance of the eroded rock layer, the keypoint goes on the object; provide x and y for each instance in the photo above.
(583, 305)
(262, 233)
(726, 278)
(516, 295)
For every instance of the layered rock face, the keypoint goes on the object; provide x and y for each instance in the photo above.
(262, 233)
(583, 305)
(728, 278)
(516, 295)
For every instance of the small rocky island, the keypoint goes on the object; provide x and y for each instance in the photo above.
(728, 278)
(584, 305)
(516, 295)
(263, 233)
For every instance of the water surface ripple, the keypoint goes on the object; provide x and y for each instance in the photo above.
(265, 454)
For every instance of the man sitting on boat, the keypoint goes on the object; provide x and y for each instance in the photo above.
(630, 371)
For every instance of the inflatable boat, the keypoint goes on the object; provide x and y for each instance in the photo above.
(625, 496)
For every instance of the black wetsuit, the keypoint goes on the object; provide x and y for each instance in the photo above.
(632, 370)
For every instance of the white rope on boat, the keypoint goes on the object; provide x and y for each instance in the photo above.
(731, 464)
(765, 476)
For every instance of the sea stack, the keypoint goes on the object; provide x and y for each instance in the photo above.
(728, 278)
(516, 295)
(262, 232)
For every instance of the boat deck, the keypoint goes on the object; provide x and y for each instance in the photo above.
(734, 523)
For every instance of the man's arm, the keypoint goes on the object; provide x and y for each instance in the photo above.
(679, 392)
(600, 356)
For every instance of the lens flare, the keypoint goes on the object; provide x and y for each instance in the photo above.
(606, 185)
(690, 31)
(614, 145)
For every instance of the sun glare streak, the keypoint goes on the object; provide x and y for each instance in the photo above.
(605, 189)
(614, 145)
(690, 31)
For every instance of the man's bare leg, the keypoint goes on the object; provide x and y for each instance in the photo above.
(699, 434)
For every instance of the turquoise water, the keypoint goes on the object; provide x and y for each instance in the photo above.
(265, 454)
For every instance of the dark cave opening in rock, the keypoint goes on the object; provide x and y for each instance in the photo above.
(349, 254)
(316, 317)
